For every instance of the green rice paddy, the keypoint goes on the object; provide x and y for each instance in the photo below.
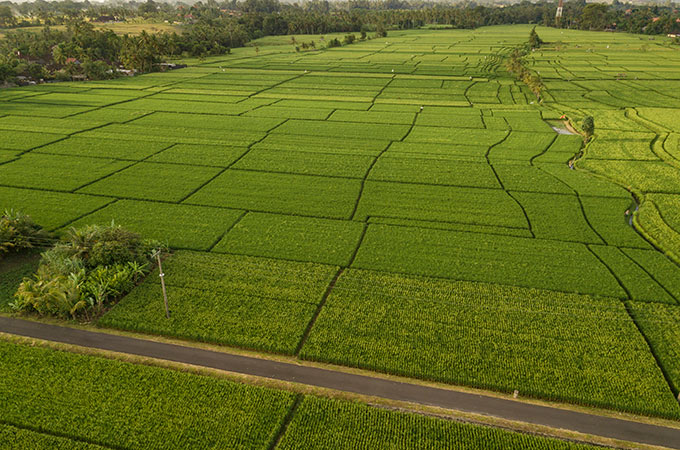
(400, 205)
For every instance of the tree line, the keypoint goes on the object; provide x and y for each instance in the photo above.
(211, 27)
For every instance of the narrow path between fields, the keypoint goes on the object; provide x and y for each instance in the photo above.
(360, 384)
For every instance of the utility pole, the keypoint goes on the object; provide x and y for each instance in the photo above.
(162, 275)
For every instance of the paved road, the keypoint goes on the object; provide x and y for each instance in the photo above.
(360, 384)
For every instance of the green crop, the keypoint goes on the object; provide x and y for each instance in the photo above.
(235, 300)
(180, 226)
(41, 171)
(280, 193)
(491, 336)
(153, 181)
(125, 405)
(324, 423)
(293, 237)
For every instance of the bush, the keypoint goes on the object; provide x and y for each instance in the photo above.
(18, 231)
(588, 126)
(333, 43)
(349, 39)
(86, 271)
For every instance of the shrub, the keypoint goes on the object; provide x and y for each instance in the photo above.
(18, 231)
(588, 126)
(333, 43)
(87, 270)
(349, 39)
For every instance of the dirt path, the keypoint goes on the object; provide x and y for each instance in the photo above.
(361, 384)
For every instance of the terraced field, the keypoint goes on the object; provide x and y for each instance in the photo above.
(400, 205)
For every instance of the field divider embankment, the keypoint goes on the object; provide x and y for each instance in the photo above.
(637, 197)
(640, 230)
(500, 183)
(284, 424)
(354, 383)
(319, 307)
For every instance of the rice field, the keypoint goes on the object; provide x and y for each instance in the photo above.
(399, 205)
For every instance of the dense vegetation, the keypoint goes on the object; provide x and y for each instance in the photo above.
(85, 271)
(214, 28)
(19, 232)
(416, 170)
(122, 405)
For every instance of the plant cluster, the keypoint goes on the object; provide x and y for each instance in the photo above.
(517, 66)
(87, 270)
(535, 40)
(18, 232)
(588, 127)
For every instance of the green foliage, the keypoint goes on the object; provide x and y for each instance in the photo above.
(320, 423)
(491, 336)
(167, 222)
(488, 258)
(534, 40)
(19, 232)
(257, 303)
(588, 126)
(14, 438)
(516, 66)
(349, 39)
(13, 269)
(84, 272)
(138, 406)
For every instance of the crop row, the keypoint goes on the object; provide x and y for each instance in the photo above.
(236, 300)
(122, 405)
(152, 408)
(491, 336)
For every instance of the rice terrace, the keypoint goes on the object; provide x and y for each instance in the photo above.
(404, 208)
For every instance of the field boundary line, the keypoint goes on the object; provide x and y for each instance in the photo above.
(365, 177)
(648, 274)
(60, 435)
(545, 150)
(652, 350)
(113, 200)
(375, 386)
(281, 432)
(585, 217)
(221, 172)
(132, 163)
(611, 271)
(229, 228)
(319, 307)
